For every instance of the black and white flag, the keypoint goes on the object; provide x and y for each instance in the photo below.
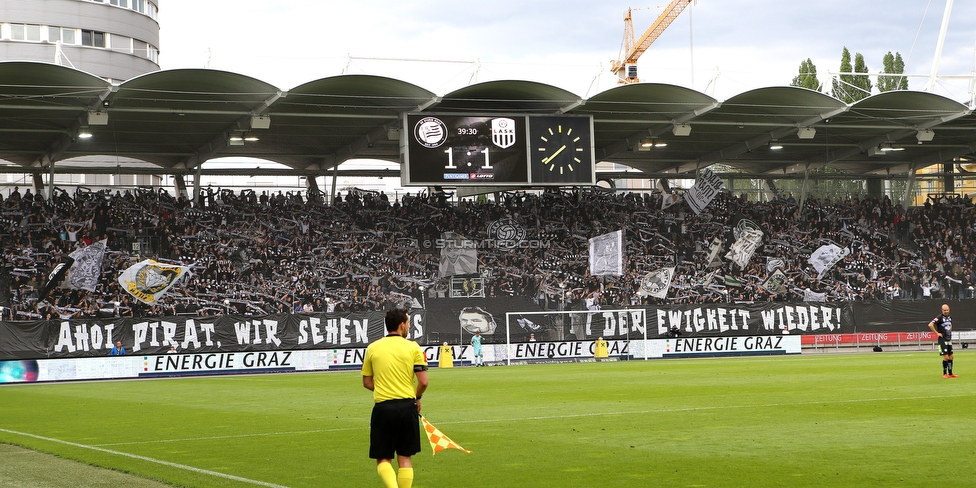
(701, 194)
(88, 265)
(826, 256)
(744, 247)
(656, 283)
(776, 283)
(607, 254)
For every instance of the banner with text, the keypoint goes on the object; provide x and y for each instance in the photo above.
(455, 320)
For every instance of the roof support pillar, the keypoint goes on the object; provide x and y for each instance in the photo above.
(196, 187)
(948, 178)
(313, 187)
(772, 193)
(335, 178)
(804, 188)
(39, 183)
(180, 184)
(875, 189)
(909, 188)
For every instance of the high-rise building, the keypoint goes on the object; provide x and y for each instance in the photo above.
(112, 39)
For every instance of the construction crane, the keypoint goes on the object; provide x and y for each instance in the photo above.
(626, 67)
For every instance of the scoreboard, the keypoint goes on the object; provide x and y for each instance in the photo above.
(500, 150)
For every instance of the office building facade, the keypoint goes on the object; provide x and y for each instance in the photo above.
(113, 39)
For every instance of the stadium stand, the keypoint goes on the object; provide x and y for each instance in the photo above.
(257, 254)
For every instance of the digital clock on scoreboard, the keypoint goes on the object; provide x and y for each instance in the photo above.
(458, 150)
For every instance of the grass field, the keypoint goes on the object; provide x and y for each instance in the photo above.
(885, 419)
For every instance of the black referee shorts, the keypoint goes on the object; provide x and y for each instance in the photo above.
(394, 427)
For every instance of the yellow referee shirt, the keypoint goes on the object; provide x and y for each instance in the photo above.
(390, 361)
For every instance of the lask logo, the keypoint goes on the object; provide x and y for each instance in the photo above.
(503, 132)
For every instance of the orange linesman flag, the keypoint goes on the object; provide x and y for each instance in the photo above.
(439, 441)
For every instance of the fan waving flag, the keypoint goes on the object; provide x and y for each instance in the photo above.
(55, 278)
(148, 280)
(607, 254)
(439, 441)
(88, 265)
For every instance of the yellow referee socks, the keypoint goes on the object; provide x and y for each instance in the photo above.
(405, 478)
(389, 477)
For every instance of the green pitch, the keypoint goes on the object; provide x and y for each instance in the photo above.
(885, 419)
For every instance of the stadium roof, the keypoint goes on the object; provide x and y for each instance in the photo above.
(170, 122)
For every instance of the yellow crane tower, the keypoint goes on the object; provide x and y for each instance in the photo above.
(626, 67)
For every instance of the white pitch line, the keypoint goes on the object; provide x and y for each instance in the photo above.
(236, 436)
(548, 417)
(149, 459)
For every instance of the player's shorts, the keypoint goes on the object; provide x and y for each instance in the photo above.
(945, 347)
(477, 351)
(394, 428)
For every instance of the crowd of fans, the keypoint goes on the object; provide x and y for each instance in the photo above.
(275, 253)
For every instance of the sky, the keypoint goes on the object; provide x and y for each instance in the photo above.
(719, 47)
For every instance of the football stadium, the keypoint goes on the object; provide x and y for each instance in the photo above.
(646, 286)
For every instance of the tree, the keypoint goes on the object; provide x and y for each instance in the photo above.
(893, 64)
(807, 77)
(841, 86)
(862, 82)
(850, 88)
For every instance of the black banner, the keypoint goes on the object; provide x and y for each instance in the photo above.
(454, 321)
(910, 315)
(225, 333)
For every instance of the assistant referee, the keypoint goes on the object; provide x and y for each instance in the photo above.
(388, 371)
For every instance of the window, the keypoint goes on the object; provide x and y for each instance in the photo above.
(63, 34)
(92, 38)
(120, 3)
(140, 48)
(33, 32)
(25, 32)
(139, 6)
(121, 44)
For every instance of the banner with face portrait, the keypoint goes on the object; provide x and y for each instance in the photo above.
(458, 256)
(607, 254)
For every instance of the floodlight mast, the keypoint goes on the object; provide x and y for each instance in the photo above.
(938, 46)
(633, 50)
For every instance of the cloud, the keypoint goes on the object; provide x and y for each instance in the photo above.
(752, 43)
